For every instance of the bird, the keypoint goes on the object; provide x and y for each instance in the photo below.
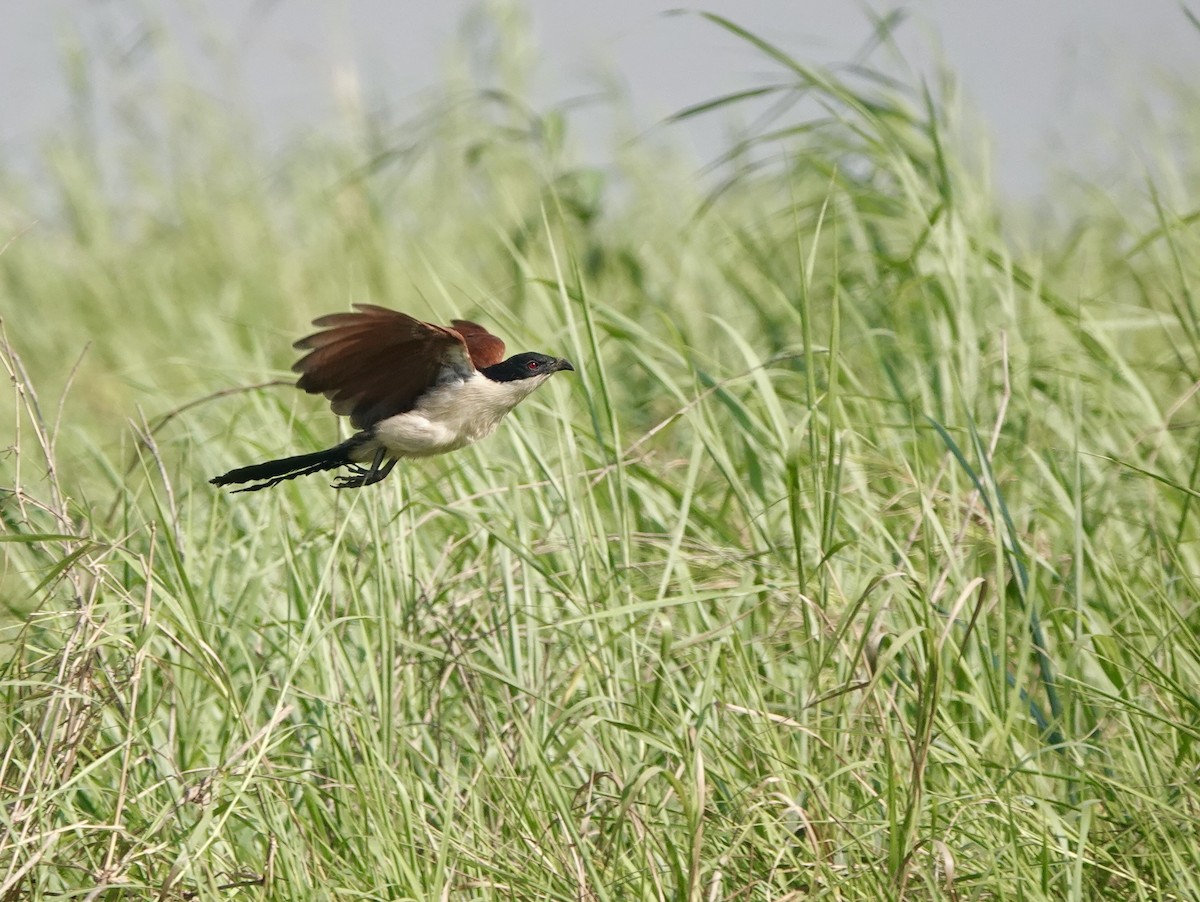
(412, 389)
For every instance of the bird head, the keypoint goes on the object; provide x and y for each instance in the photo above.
(526, 366)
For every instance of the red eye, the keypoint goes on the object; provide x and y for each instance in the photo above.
(533, 365)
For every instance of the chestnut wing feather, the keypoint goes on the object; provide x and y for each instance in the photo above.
(484, 347)
(375, 363)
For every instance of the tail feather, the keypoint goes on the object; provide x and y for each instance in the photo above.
(276, 471)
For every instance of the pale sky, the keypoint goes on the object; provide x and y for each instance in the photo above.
(1053, 80)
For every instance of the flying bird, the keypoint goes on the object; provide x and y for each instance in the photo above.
(410, 388)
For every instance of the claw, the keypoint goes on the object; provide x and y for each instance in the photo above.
(364, 476)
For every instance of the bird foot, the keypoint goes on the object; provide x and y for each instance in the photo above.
(363, 475)
(357, 481)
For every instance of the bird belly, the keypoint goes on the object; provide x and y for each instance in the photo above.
(413, 435)
(449, 417)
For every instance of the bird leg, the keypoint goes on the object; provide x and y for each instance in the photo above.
(363, 476)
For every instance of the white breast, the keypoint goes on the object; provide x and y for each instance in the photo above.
(452, 416)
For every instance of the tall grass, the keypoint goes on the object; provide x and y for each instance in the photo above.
(858, 561)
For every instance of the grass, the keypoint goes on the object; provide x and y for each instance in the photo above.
(858, 560)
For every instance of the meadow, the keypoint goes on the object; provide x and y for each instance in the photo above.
(859, 559)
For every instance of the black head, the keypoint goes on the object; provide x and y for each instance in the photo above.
(525, 366)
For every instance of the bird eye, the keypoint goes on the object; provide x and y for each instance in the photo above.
(533, 365)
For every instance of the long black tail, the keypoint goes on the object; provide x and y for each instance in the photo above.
(276, 471)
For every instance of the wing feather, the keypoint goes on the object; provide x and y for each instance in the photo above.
(484, 347)
(375, 363)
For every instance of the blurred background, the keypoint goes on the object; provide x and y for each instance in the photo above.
(1056, 84)
(862, 542)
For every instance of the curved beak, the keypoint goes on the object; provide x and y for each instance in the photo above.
(563, 364)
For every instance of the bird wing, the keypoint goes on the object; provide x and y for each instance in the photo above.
(375, 363)
(484, 347)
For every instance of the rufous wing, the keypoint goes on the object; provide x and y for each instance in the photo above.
(375, 363)
(484, 347)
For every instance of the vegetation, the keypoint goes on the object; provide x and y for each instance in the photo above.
(860, 558)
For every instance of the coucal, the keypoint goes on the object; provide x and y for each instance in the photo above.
(411, 389)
